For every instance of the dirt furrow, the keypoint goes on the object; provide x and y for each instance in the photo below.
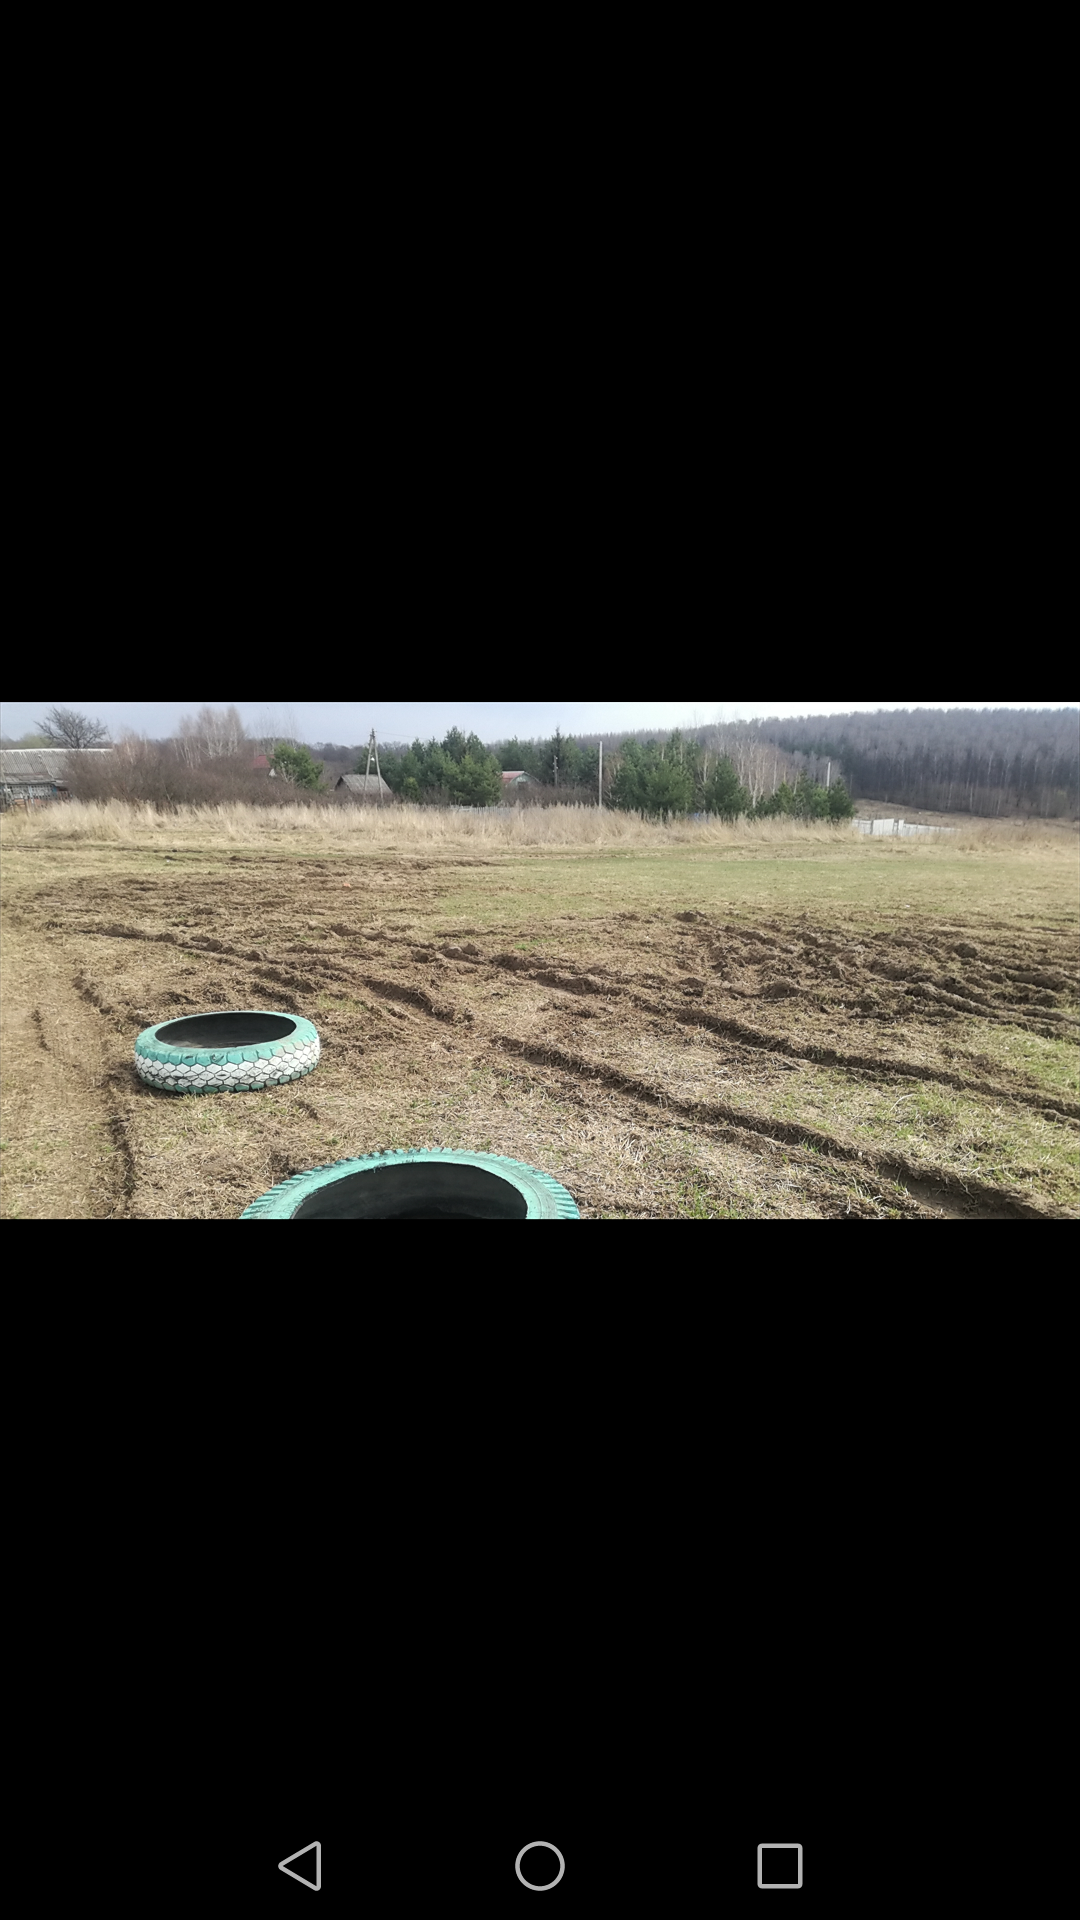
(891, 1166)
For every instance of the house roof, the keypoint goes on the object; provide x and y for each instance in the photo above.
(260, 761)
(39, 763)
(364, 783)
(521, 775)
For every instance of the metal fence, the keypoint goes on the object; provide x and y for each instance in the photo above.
(27, 797)
(898, 829)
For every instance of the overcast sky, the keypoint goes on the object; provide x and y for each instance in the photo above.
(348, 723)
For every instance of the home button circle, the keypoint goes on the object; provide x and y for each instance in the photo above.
(547, 1884)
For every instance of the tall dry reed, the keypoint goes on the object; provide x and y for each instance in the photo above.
(406, 830)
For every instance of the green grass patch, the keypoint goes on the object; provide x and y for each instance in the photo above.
(1053, 1066)
(962, 1133)
(696, 1203)
(342, 1003)
(878, 886)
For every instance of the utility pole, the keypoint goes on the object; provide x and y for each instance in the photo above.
(600, 789)
(373, 748)
(828, 777)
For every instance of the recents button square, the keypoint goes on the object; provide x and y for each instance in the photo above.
(779, 1864)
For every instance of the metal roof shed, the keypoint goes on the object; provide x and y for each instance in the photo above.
(364, 785)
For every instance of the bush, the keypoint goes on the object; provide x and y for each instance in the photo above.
(296, 766)
(158, 773)
(841, 805)
(724, 794)
(657, 782)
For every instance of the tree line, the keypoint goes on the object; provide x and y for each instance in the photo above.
(990, 761)
(455, 771)
(679, 775)
(213, 758)
(664, 778)
(961, 760)
(965, 760)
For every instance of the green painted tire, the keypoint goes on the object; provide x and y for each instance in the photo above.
(417, 1186)
(235, 1052)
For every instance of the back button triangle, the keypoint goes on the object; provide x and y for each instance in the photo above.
(310, 1874)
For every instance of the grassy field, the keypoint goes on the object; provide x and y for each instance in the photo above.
(695, 1022)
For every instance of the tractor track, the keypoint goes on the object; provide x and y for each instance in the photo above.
(719, 1113)
(321, 967)
(642, 986)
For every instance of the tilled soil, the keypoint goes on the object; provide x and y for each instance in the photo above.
(655, 1063)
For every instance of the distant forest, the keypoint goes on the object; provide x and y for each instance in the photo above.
(992, 762)
(1003, 760)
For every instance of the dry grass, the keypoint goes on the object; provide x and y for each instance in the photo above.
(59, 1155)
(432, 829)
